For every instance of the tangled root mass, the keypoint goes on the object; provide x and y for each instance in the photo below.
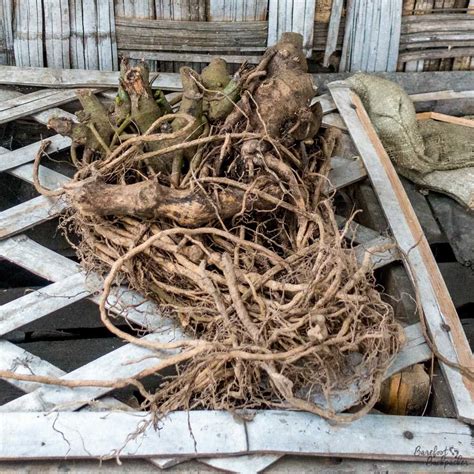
(217, 213)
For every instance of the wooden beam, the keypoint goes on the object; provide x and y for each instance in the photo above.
(77, 78)
(442, 95)
(438, 308)
(204, 433)
(445, 118)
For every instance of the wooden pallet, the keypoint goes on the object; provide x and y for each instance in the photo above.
(59, 421)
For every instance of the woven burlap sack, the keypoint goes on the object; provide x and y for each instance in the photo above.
(394, 118)
(447, 146)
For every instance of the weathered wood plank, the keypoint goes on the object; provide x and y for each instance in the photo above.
(442, 95)
(326, 102)
(445, 118)
(26, 215)
(372, 36)
(333, 120)
(106, 36)
(134, 9)
(76, 78)
(291, 15)
(435, 300)
(20, 361)
(381, 257)
(201, 433)
(7, 55)
(190, 36)
(247, 463)
(57, 32)
(93, 43)
(406, 56)
(333, 33)
(42, 302)
(51, 266)
(20, 156)
(344, 172)
(28, 33)
(190, 57)
(33, 103)
(127, 361)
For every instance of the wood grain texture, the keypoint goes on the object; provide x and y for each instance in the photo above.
(333, 33)
(56, 33)
(39, 303)
(7, 55)
(76, 78)
(93, 44)
(201, 433)
(439, 310)
(445, 118)
(20, 156)
(28, 33)
(35, 102)
(291, 15)
(372, 36)
(28, 214)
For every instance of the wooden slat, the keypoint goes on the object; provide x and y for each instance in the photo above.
(291, 15)
(189, 36)
(379, 258)
(235, 10)
(134, 9)
(200, 433)
(93, 44)
(421, 266)
(445, 118)
(127, 361)
(333, 33)
(28, 33)
(57, 32)
(26, 215)
(7, 55)
(246, 463)
(344, 172)
(12, 159)
(75, 78)
(106, 36)
(15, 359)
(39, 303)
(189, 57)
(49, 179)
(333, 120)
(51, 266)
(442, 95)
(33, 103)
(406, 56)
(327, 104)
(372, 36)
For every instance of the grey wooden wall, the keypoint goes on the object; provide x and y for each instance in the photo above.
(348, 35)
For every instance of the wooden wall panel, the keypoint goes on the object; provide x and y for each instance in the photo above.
(93, 43)
(57, 33)
(6, 32)
(28, 33)
(372, 36)
(292, 15)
